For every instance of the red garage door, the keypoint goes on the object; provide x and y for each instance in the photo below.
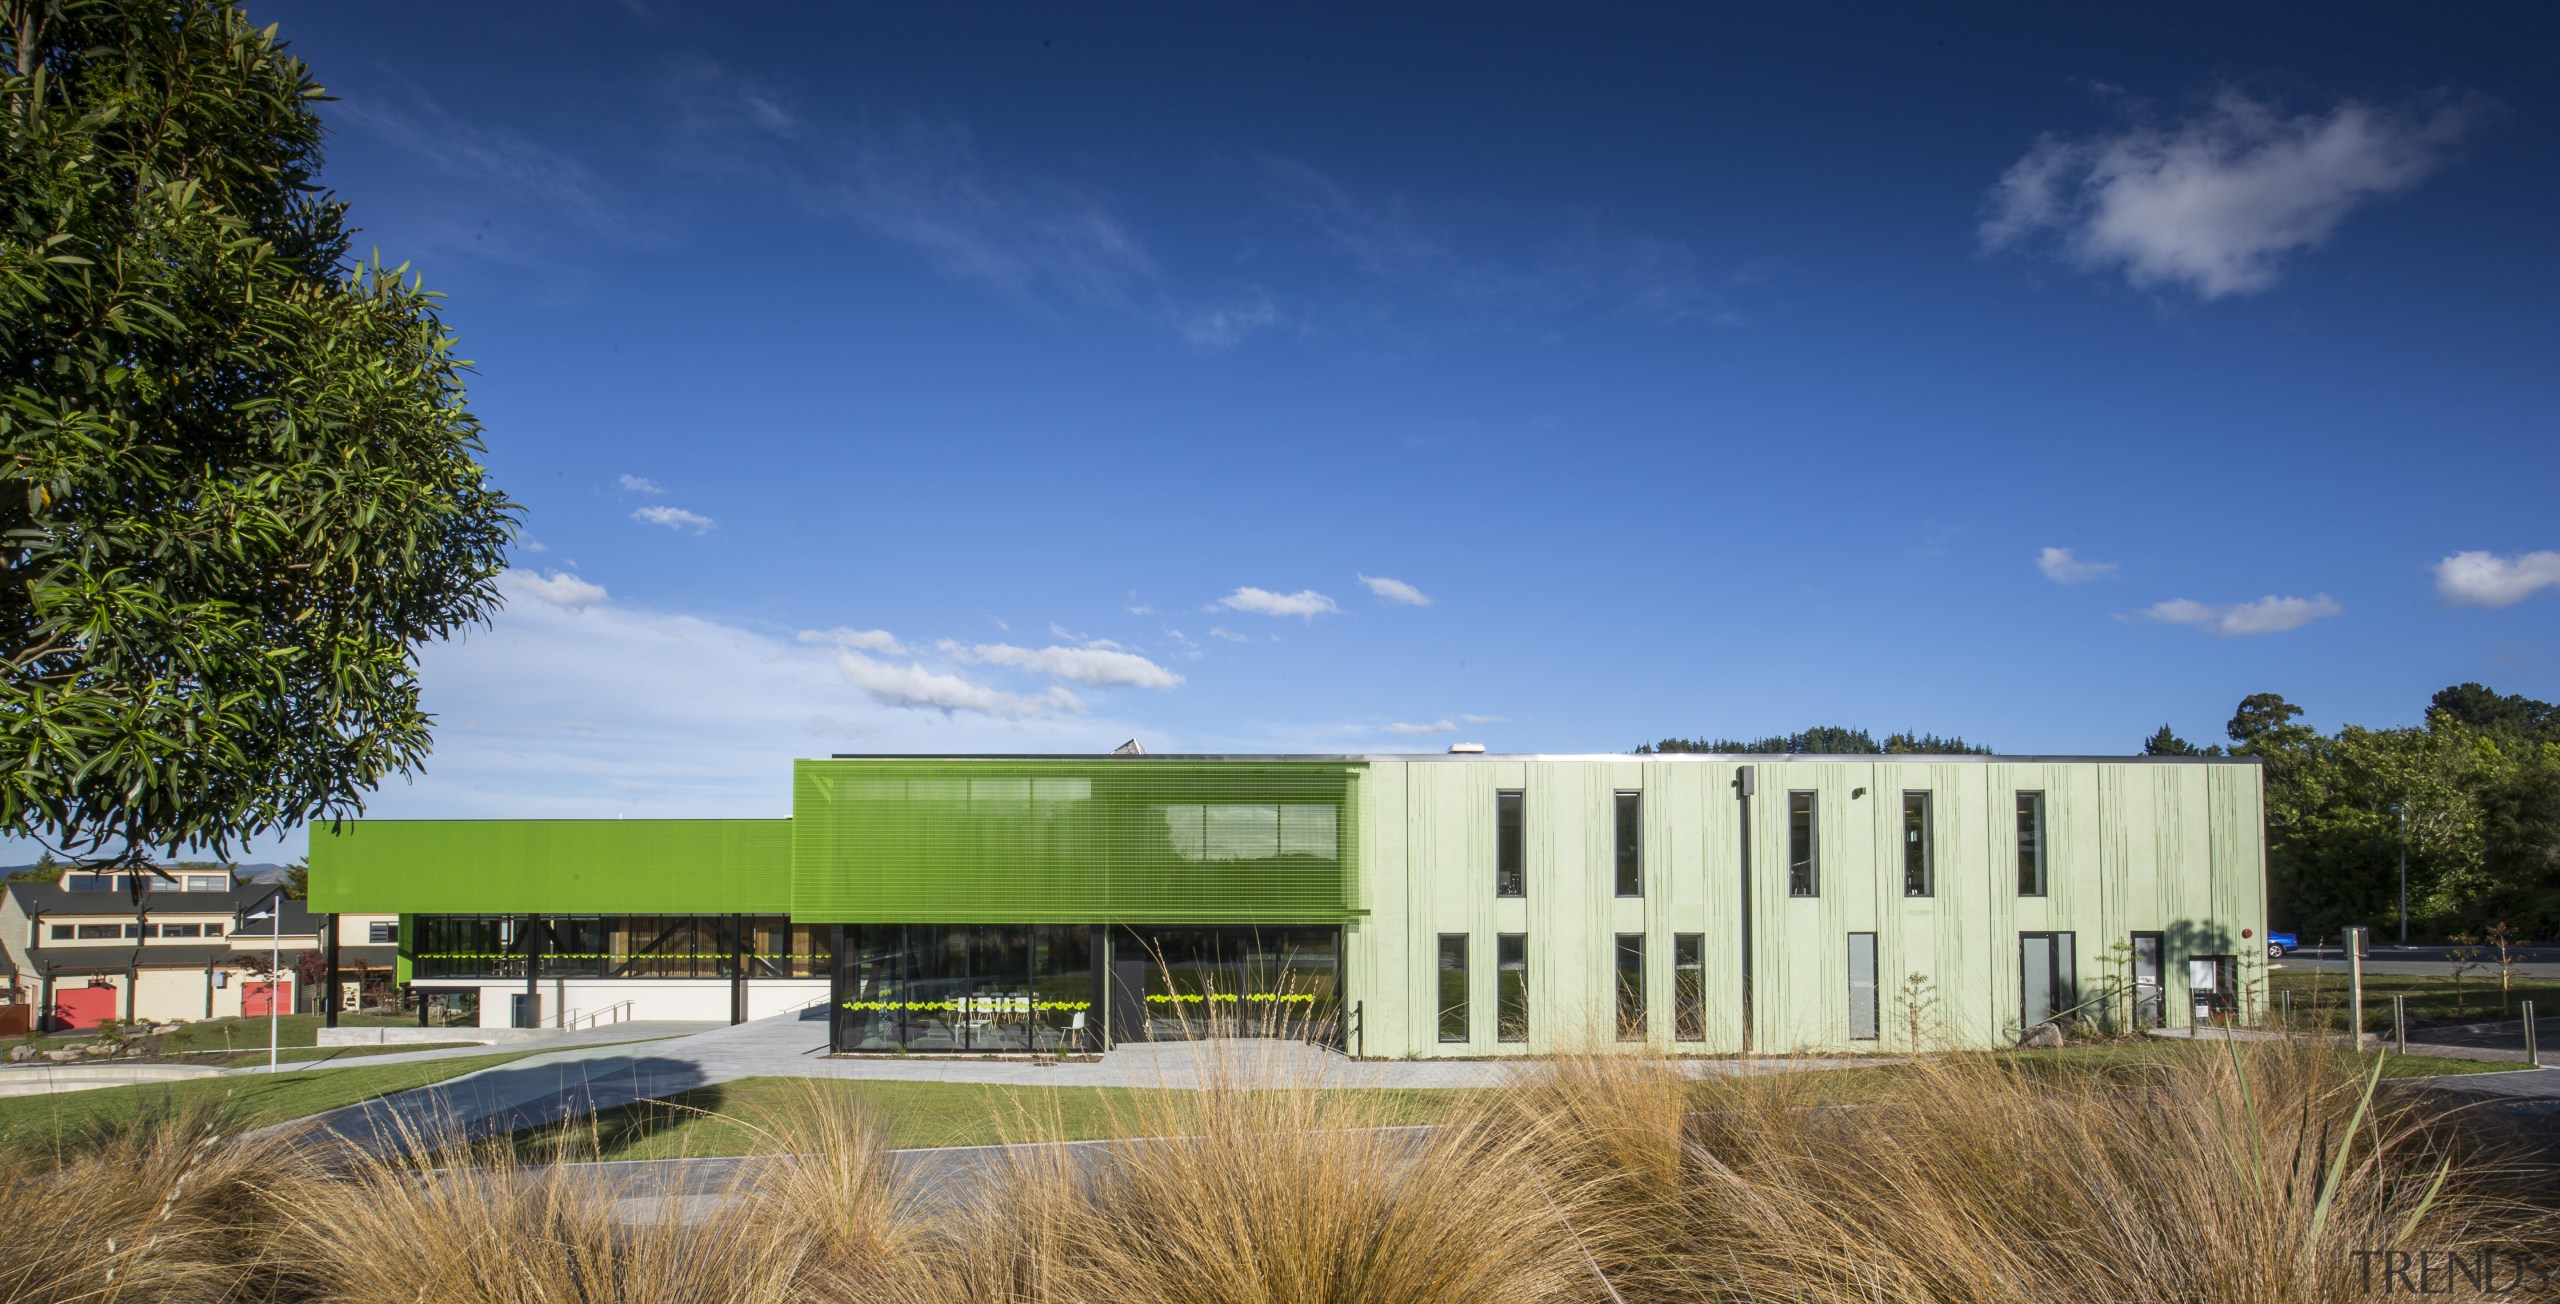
(84, 1007)
(256, 997)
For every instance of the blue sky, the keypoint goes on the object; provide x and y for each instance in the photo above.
(1277, 378)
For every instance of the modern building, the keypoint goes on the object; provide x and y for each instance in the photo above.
(148, 948)
(1432, 905)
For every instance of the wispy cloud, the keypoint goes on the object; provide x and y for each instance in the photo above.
(1226, 635)
(2215, 203)
(865, 640)
(1435, 727)
(1579, 262)
(674, 518)
(1486, 719)
(916, 687)
(2061, 567)
(640, 484)
(2267, 615)
(1094, 666)
(1305, 603)
(2485, 579)
(1029, 237)
(545, 180)
(559, 589)
(1396, 591)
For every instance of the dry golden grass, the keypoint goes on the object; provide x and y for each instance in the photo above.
(2252, 1175)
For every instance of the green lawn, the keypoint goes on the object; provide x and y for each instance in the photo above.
(2320, 998)
(252, 1100)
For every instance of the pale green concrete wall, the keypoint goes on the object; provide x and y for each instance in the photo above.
(2170, 847)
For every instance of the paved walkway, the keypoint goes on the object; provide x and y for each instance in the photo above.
(550, 1087)
(551, 1039)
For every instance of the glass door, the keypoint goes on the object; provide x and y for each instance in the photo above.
(2149, 1005)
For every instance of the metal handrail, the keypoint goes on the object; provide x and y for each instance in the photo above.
(620, 1010)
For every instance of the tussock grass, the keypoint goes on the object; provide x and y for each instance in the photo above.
(2239, 1174)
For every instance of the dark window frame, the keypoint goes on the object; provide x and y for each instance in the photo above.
(1459, 1008)
(1511, 842)
(1804, 861)
(1628, 987)
(1925, 846)
(2063, 954)
(1626, 807)
(1688, 987)
(380, 933)
(1510, 997)
(2034, 868)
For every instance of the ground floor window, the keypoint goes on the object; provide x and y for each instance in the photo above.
(1172, 982)
(964, 987)
(1862, 987)
(1689, 986)
(1511, 987)
(2046, 974)
(1631, 987)
(1453, 987)
(2149, 1009)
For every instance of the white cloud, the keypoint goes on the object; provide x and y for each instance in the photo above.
(641, 484)
(559, 588)
(1091, 666)
(1435, 727)
(2214, 204)
(2485, 579)
(535, 546)
(866, 640)
(2267, 615)
(914, 686)
(692, 717)
(1228, 635)
(674, 518)
(1396, 591)
(1305, 603)
(2061, 567)
(1486, 719)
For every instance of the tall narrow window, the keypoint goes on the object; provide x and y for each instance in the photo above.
(1510, 876)
(1511, 987)
(1630, 844)
(1919, 876)
(1689, 986)
(1631, 987)
(2047, 974)
(1453, 987)
(1804, 875)
(2031, 844)
(1862, 987)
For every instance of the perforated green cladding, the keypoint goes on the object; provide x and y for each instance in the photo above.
(1074, 840)
(552, 866)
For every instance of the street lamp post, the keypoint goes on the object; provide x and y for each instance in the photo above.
(2404, 871)
(274, 915)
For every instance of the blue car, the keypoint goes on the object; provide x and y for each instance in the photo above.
(2279, 943)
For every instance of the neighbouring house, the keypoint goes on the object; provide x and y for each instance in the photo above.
(140, 947)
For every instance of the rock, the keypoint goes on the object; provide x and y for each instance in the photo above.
(2043, 1036)
(163, 1029)
(60, 1056)
(18, 1054)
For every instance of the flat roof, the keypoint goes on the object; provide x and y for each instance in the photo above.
(1933, 758)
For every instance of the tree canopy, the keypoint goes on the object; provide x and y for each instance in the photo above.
(1821, 740)
(239, 483)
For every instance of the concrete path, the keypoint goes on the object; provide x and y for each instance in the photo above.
(548, 1088)
(547, 1040)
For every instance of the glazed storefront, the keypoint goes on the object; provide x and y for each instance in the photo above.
(1046, 987)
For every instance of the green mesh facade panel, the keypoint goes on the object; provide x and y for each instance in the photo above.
(670, 867)
(1074, 840)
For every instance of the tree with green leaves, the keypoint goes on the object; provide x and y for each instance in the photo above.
(2167, 743)
(1820, 740)
(239, 483)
